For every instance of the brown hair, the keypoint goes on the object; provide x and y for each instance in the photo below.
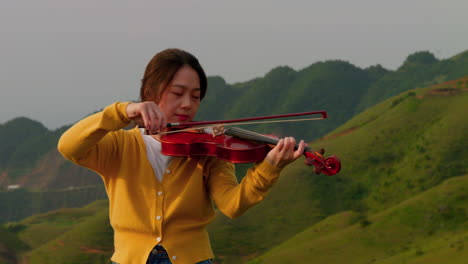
(162, 68)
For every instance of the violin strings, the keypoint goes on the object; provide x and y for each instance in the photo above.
(254, 136)
(250, 135)
(240, 123)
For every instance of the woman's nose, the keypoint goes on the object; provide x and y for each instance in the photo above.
(186, 102)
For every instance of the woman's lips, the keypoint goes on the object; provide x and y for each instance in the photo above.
(182, 117)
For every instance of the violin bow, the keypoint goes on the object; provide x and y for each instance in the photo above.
(242, 120)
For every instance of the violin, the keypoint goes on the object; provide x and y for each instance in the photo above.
(235, 144)
(238, 145)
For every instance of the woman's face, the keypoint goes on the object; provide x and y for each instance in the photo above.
(181, 98)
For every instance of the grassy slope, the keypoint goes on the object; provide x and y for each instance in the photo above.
(10, 246)
(429, 228)
(80, 235)
(403, 146)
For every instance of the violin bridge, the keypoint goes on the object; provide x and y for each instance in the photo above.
(218, 130)
(199, 130)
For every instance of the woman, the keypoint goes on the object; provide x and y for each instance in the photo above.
(159, 206)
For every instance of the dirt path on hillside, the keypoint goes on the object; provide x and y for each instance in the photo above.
(86, 249)
(346, 132)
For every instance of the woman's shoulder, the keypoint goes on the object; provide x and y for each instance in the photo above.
(127, 135)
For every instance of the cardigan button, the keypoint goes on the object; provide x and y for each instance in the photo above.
(174, 257)
(168, 171)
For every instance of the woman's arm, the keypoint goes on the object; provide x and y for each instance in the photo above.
(88, 143)
(234, 199)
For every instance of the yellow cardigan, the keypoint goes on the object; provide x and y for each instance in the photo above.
(144, 211)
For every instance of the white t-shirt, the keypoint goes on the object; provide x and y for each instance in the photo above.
(158, 161)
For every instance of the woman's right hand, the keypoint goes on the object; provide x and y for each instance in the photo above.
(147, 114)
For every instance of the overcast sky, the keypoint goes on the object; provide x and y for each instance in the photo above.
(61, 60)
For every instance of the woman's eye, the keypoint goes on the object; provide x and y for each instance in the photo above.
(177, 94)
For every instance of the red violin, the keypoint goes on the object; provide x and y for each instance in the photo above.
(236, 145)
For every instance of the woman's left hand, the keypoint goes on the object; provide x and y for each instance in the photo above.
(283, 153)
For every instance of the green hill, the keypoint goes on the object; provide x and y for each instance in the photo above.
(21, 203)
(10, 247)
(75, 235)
(12, 134)
(420, 69)
(404, 145)
(431, 227)
(29, 158)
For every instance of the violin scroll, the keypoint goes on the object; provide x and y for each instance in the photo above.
(328, 166)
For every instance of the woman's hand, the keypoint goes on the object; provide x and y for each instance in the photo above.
(283, 153)
(148, 114)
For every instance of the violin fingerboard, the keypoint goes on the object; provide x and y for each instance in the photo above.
(255, 137)
(249, 135)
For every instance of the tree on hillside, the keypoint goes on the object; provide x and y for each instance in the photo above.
(420, 57)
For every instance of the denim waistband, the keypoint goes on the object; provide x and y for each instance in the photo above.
(158, 252)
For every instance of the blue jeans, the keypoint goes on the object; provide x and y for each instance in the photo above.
(159, 256)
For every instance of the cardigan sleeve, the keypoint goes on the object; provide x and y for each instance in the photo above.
(88, 143)
(234, 198)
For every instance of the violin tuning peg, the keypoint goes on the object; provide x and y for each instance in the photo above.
(322, 151)
(309, 162)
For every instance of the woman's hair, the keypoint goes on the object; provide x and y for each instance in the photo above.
(162, 68)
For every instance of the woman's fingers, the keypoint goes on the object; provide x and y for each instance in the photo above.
(157, 118)
(283, 153)
(288, 150)
(280, 145)
(300, 150)
(147, 114)
(146, 119)
(162, 118)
